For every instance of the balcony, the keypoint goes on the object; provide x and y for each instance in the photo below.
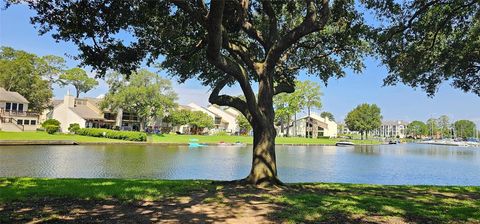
(13, 113)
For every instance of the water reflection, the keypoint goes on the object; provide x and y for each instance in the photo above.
(389, 164)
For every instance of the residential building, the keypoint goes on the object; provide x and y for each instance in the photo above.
(391, 129)
(14, 114)
(312, 126)
(224, 118)
(88, 114)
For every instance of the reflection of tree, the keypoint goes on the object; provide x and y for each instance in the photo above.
(367, 149)
(138, 161)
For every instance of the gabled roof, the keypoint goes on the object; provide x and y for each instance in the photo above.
(14, 97)
(86, 113)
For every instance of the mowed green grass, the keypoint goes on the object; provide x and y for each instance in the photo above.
(173, 138)
(297, 203)
(40, 135)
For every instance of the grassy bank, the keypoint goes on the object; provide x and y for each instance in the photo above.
(40, 135)
(170, 138)
(27, 199)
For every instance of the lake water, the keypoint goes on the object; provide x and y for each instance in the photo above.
(386, 164)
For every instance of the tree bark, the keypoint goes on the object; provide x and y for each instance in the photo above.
(142, 125)
(288, 126)
(295, 125)
(264, 166)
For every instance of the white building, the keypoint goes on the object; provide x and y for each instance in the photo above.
(14, 114)
(312, 126)
(87, 113)
(391, 129)
(224, 118)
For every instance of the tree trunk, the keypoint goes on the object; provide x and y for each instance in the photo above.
(288, 126)
(264, 166)
(295, 126)
(361, 135)
(366, 135)
(142, 125)
(282, 125)
(77, 93)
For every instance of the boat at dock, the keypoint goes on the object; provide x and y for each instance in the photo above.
(344, 144)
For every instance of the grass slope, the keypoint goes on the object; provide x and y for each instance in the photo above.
(172, 138)
(296, 203)
(40, 135)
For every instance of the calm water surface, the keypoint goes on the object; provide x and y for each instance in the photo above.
(388, 164)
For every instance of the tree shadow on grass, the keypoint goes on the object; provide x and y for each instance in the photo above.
(158, 201)
(129, 201)
(380, 204)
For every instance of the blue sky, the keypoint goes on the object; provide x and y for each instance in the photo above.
(339, 97)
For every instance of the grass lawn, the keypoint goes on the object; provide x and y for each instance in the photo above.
(40, 135)
(119, 200)
(173, 138)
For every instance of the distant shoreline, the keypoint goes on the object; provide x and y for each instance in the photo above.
(69, 142)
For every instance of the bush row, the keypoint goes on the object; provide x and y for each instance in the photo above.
(107, 133)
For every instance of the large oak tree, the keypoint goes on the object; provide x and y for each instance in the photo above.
(240, 42)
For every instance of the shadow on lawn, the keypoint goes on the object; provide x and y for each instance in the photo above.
(146, 201)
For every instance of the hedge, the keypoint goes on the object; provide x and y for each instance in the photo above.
(52, 129)
(107, 133)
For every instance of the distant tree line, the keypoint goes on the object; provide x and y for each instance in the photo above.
(443, 128)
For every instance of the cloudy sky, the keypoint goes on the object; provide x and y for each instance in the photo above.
(339, 97)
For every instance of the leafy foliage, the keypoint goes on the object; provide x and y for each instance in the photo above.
(200, 120)
(465, 128)
(444, 126)
(433, 127)
(52, 129)
(145, 93)
(29, 75)
(310, 94)
(424, 43)
(364, 118)
(73, 128)
(243, 124)
(328, 115)
(197, 120)
(417, 128)
(107, 133)
(78, 78)
(50, 122)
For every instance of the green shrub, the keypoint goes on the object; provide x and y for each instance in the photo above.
(50, 122)
(107, 133)
(73, 128)
(51, 129)
(221, 133)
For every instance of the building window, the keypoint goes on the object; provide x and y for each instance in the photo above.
(218, 120)
(20, 106)
(33, 122)
(26, 122)
(8, 106)
(19, 122)
(14, 106)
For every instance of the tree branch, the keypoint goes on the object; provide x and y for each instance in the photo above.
(255, 34)
(284, 87)
(186, 7)
(225, 100)
(270, 12)
(311, 23)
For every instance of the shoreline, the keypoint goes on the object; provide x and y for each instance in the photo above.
(71, 142)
